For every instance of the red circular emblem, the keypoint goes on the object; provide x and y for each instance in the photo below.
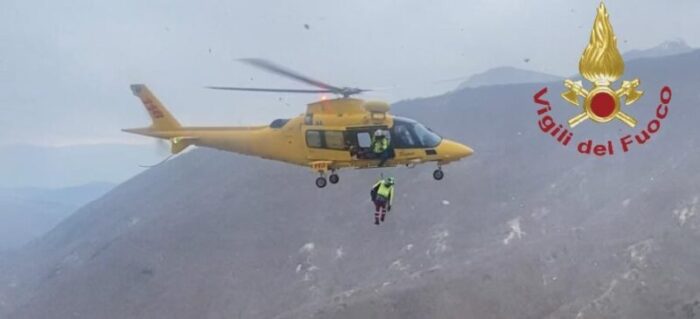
(603, 104)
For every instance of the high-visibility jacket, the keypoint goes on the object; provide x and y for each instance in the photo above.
(380, 145)
(384, 190)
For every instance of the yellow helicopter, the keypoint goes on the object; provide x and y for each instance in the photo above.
(332, 134)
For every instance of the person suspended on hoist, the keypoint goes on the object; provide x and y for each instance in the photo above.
(382, 195)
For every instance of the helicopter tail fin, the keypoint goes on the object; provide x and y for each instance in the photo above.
(162, 119)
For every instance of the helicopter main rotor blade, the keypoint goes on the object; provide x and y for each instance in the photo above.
(230, 88)
(274, 68)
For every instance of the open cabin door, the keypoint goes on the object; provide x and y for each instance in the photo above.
(360, 142)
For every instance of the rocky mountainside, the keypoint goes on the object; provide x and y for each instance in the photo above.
(523, 229)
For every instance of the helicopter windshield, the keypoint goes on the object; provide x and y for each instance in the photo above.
(410, 134)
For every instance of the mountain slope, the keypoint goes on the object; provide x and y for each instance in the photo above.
(28, 213)
(667, 48)
(57, 167)
(525, 228)
(507, 75)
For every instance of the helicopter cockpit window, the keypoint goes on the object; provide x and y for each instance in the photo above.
(426, 137)
(403, 136)
(279, 123)
(409, 134)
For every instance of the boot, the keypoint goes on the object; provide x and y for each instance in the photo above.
(376, 220)
(382, 218)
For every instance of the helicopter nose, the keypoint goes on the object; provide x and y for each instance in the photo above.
(454, 150)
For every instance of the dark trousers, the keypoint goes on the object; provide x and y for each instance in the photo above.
(380, 204)
(383, 157)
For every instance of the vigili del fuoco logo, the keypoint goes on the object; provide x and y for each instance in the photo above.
(601, 64)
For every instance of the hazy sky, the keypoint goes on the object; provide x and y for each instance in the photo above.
(65, 66)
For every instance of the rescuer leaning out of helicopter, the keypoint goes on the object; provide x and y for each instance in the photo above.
(382, 195)
(380, 147)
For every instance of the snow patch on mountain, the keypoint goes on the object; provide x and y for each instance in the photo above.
(515, 231)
